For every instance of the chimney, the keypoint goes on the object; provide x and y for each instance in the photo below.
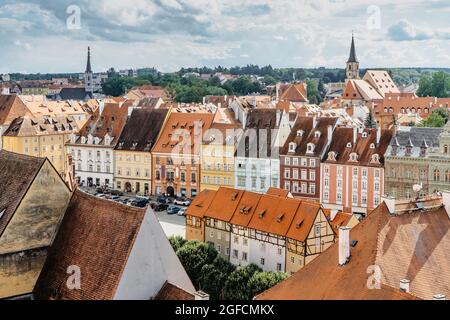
(404, 285)
(439, 296)
(355, 135)
(446, 201)
(390, 203)
(204, 100)
(200, 295)
(314, 122)
(378, 135)
(344, 245)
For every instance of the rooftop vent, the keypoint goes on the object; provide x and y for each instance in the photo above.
(262, 213)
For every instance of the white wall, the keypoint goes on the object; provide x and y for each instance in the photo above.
(151, 263)
(240, 247)
(270, 254)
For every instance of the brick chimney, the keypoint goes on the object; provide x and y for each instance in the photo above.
(344, 245)
(355, 135)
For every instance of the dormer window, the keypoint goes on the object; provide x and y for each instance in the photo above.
(375, 158)
(300, 133)
(349, 145)
(364, 134)
(332, 156)
(372, 146)
(353, 157)
(292, 146)
(317, 134)
(310, 148)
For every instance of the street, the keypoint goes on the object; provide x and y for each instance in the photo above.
(172, 224)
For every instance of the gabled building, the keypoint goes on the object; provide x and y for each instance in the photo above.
(248, 227)
(11, 107)
(302, 154)
(43, 136)
(119, 252)
(92, 148)
(257, 163)
(295, 93)
(176, 156)
(132, 153)
(379, 259)
(352, 171)
(33, 199)
(195, 215)
(408, 161)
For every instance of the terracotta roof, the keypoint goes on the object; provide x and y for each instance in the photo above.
(340, 220)
(221, 134)
(97, 236)
(224, 204)
(172, 292)
(295, 93)
(246, 208)
(17, 172)
(323, 279)
(141, 129)
(11, 107)
(342, 145)
(278, 192)
(201, 203)
(305, 126)
(303, 221)
(274, 214)
(172, 137)
(381, 81)
(44, 125)
(111, 121)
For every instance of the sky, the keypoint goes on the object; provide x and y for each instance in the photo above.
(51, 36)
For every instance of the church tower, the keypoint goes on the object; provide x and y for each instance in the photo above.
(352, 70)
(88, 75)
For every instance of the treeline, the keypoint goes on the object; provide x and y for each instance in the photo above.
(219, 278)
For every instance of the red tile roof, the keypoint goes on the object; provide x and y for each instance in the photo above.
(97, 236)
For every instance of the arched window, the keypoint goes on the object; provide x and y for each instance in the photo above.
(437, 175)
(446, 149)
(447, 176)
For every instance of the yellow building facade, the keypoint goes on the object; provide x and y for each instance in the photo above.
(42, 137)
(217, 157)
(133, 172)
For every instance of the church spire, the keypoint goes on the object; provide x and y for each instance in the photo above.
(352, 57)
(88, 65)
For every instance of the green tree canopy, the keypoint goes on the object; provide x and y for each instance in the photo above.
(236, 286)
(213, 277)
(436, 85)
(177, 242)
(261, 281)
(438, 118)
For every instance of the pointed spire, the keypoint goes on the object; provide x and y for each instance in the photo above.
(88, 65)
(352, 57)
(410, 144)
(424, 144)
(394, 142)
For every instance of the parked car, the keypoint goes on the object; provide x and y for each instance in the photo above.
(117, 193)
(100, 195)
(173, 210)
(115, 198)
(160, 207)
(163, 199)
(182, 212)
(140, 203)
(182, 201)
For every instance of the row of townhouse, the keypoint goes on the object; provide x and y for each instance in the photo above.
(272, 230)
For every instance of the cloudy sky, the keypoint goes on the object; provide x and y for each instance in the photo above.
(52, 35)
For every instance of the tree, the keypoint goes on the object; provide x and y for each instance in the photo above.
(425, 87)
(313, 92)
(193, 256)
(236, 286)
(438, 118)
(370, 121)
(441, 84)
(177, 242)
(118, 86)
(261, 281)
(213, 277)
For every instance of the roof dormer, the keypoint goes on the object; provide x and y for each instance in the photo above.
(353, 157)
(300, 133)
(310, 147)
(332, 156)
(317, 134)
(375, 158)
(292, 146)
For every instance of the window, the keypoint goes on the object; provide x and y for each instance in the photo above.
(279, 267)
(193, 177)
(304, 187)
(245, 242)
(312, 188)
(235, 254)
(295, 174)
(280, 251)
(236, 239)
(219, 248)
(364, 199)
(317, 230)
(339, 197)
(254, 182)
(312, 162)
(244, 256)
(377, 186)
(263, 183)
(355, 171)
(287, 185)
(292, 259)
(295, 161)
(303, 174)
(376, 201)
(287, 173)
(263, 261)
(447, 176)
(326, 196)
(287, 161)
(377, 173)
(437, 175)
(304, 162)
(262, 247)
(312, 175)
(295, 186)
(354, 199)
